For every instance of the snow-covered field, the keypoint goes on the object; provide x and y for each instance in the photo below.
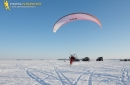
(56, 72)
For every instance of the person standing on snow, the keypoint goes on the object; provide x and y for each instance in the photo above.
(71, 59)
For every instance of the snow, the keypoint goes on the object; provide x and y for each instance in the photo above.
(58, 72)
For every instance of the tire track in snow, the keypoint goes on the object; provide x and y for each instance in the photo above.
(90, 77)
(125, 76)
(33, 76)
(78, 78)
(60, 75)
(36, 78)
(64, 78)
(46, 73)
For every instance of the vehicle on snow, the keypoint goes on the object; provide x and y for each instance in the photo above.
(124, 59)
(99, 59)
(86, 59)
(128, 59)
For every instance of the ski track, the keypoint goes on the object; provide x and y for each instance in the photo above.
(78, 78)
(36, 78)
(46, 73)
(58, 75)
(66, 79)
(125, 76)
(62, 78)
(90, 77)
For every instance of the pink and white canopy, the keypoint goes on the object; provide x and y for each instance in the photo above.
(72, 17)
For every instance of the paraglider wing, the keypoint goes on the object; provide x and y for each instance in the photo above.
(73, 17)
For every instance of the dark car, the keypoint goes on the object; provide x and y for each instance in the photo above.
(128, 59)
(86, 59)
(99, 59)
(124, 59)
